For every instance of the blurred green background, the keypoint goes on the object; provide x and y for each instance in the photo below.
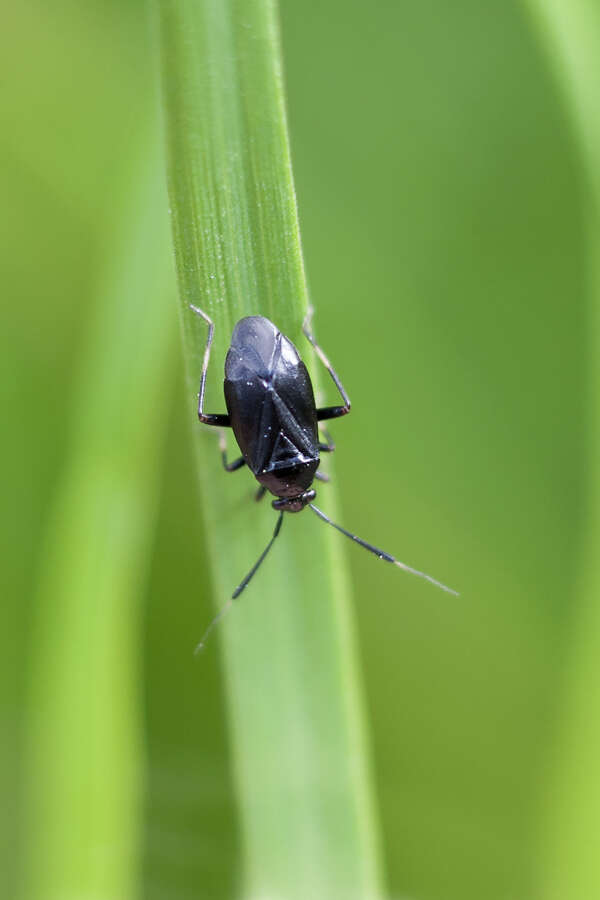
(441, 203)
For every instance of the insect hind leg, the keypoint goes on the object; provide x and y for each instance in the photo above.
(219, 419)
(327, 412)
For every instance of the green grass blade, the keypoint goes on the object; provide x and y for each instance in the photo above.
(84, 756)
(304, 792)
(570, 32)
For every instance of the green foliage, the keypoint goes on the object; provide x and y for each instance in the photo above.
(446, 168)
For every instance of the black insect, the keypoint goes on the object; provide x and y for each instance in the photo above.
(272, 411)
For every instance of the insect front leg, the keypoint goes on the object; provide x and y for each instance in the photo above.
(229, 466)
(329, 445)
(327, 412)
(219, 419)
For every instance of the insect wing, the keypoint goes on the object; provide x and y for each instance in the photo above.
(269, 397)
(294, 403)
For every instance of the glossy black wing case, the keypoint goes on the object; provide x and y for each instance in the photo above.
(269, 398)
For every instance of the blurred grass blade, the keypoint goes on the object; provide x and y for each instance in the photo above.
(84, 758)
(304, 792)
(570, 32)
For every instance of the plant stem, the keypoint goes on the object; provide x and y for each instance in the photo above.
(291, 672)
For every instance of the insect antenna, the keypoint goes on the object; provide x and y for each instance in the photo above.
(225, 609)
(258, 562)
(381, 553)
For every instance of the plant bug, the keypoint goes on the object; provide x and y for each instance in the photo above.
(272, 411)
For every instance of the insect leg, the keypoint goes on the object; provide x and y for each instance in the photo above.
(328, 447)
(321, 476)
(260, 493)
(232, 466)
(208, 418)
(328, 412)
